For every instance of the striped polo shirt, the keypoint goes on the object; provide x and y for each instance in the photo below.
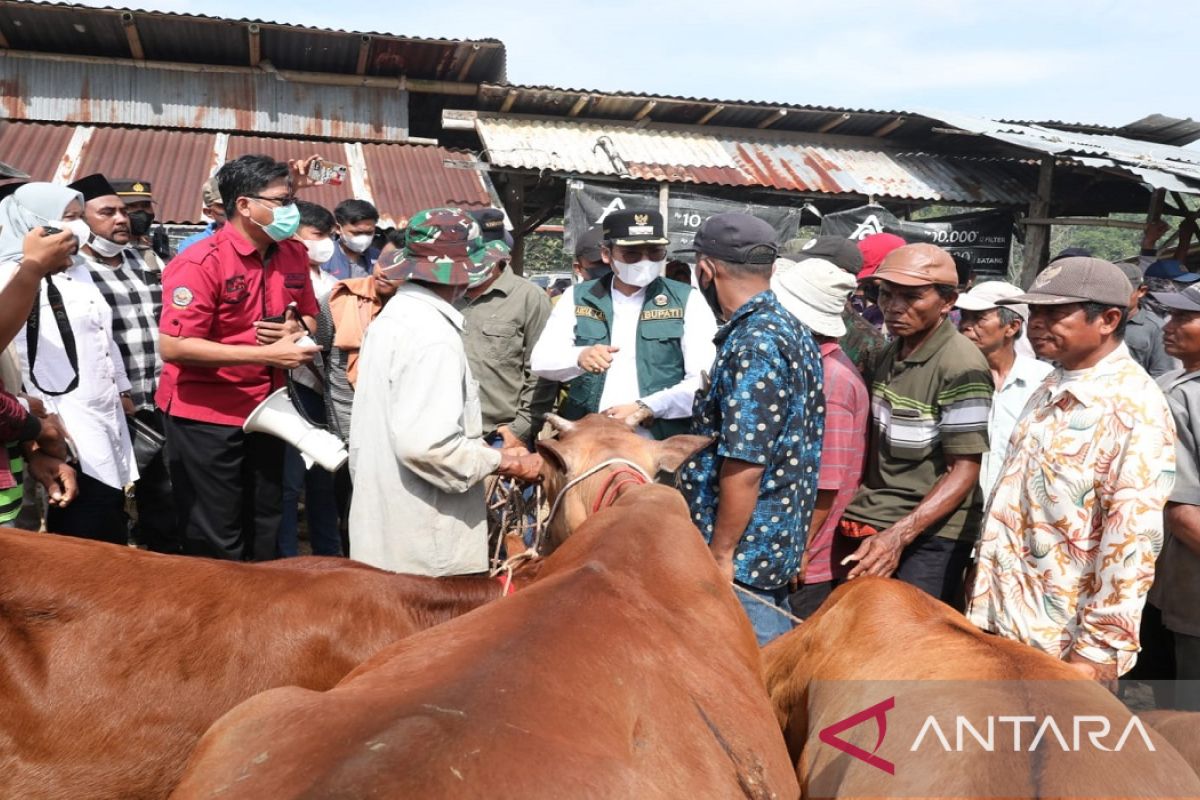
(931, 404)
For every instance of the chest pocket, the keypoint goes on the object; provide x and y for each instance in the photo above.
(911, 434)
(234, 291)
(500, 339)
(663, 340)
(590, 331)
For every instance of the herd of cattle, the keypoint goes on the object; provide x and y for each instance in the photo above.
(622, 666)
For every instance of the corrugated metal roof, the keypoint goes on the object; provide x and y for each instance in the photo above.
(784, 162)
(408, 178)
(120, 93)
(35, 148)
(403, 178)
(1160, 166)
(196, 38)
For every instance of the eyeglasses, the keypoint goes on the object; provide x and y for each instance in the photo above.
(286, 200)
(633, 254)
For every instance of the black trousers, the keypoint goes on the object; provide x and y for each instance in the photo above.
(931, 563)
(228, 489)
(157, 526)
(97, 513)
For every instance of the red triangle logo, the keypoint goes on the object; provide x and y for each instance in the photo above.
(877, 712)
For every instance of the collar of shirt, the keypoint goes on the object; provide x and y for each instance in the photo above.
(1025, 371)
(760, 301)
(1088, 386)
(418, 292)
(943, 334)
(1170, 380)
(503, 284)
(828, 348)
(244, 246)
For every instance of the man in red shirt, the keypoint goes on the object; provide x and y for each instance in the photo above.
(226, 333)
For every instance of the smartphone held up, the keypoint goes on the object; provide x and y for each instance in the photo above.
(327, 173)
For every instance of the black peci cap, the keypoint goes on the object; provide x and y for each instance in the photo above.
(631, 228)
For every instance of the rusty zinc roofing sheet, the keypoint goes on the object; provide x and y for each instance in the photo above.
(789, 162)
(34, 147)
(405, 179)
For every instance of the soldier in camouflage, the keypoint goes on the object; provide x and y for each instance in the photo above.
(417, 454)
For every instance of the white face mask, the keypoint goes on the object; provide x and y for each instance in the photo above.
(319, 250)
(99, 245)
(359, 243)
(641, 274)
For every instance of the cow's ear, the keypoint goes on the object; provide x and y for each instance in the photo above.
(675, 450)
(552, 452)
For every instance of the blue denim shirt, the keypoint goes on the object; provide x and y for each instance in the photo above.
(196, 237)
(341, 267)
(765, 406)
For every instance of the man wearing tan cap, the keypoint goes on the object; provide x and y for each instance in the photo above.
(996, 330)
(917, 513)
(1076, 519)
(213, 208)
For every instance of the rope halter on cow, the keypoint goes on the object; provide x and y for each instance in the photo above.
(629, 473)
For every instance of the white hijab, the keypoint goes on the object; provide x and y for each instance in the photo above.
(31, 206)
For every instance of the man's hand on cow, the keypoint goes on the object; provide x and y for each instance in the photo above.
(271, 332)
(597, 358)
(632, 414)
(1104, 674)
(521, 464)
(56, 475)
(287, 354)
(878, 555)
(724, 561)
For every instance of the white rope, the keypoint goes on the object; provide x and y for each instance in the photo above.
(584, 476)
(767, 603)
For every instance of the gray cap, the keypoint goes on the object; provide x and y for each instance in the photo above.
(838, 250)
(736, 238)
(1077, 280)
(1133, 272)
(1185, 300)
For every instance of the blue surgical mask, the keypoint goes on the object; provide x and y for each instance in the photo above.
(285, 221)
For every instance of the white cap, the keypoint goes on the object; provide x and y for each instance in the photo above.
(815, 292)
(988, 294)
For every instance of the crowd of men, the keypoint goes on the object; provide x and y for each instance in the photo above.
(1021, 455)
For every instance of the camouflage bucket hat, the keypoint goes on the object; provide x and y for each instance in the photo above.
(437, 248)
(484, 257)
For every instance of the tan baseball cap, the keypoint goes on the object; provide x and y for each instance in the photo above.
(918, 265)
(1077, 280)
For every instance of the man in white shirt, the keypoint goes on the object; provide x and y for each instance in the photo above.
(995, 330)
(417, 452)
(632, 344)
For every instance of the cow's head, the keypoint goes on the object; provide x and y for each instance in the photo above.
(583, 445)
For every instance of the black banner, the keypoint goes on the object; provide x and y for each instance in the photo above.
(589, 203)
(982, 239)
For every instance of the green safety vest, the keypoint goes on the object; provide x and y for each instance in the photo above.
(659, 346)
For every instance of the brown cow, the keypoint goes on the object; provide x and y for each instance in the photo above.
(114, 661)
(1181, 729)
(626, 669)
(881, 658)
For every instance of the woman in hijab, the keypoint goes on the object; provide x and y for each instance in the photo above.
(71, 365)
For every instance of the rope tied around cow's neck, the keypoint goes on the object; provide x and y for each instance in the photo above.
(767, 603)
(630, 473)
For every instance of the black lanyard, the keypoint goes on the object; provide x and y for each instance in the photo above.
(54, 296)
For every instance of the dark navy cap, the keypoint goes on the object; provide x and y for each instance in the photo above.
(1186, 300)
(1171, 269)
(837, 250)
(588, 246)
(736, 238)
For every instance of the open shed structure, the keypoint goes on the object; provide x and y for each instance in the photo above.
(422, 122)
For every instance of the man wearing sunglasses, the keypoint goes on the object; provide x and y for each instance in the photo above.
(631, 344)
(226, 335)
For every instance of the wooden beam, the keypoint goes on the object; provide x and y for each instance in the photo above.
(1037, 237)
(777, 115)
(255, 44)
(364, 55)
(465, 69)
(644, 110)
(538, 219)
(131, 36)
(1093, 222)
(712, 112)
(889, 127)
(578, 106)
(836, 122)
(514, 206)
(509, 99)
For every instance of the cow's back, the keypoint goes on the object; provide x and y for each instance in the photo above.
(876, 638)
(113, 661)
(626, 670)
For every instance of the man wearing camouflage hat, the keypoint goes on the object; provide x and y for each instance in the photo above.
(417, 454)
(1076, 519)
(631, 344)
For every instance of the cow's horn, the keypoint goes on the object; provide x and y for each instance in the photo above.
(559, 424)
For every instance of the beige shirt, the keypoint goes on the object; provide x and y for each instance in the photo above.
(416, 449)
